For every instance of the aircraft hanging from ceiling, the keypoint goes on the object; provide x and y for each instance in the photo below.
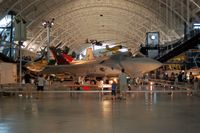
(114, 49)
(95, 42)
(106, 47)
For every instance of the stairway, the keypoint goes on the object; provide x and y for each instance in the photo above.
(180, 48)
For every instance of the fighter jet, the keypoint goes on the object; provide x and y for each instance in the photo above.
(91, 65)
(111, 65)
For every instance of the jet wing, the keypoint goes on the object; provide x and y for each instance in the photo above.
(75, 68)
(78, 68)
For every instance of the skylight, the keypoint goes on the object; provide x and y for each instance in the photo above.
(5, 22)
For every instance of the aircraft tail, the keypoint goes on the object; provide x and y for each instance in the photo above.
(107, 47)
(89, 54)
(60, 60)
(67, 57)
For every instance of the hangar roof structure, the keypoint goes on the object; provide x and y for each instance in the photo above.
(116, 20)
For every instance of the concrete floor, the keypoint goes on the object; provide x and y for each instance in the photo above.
(87, 113)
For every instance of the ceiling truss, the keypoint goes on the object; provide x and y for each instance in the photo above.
(118, 20)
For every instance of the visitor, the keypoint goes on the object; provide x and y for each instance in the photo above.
(114, 88)
(40, 85)
(123, 84)
(28, 86)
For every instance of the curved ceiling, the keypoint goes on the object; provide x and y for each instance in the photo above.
(115, 20)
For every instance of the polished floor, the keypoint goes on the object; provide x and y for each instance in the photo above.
(89, 113)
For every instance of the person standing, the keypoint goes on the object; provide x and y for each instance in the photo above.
(40, 85)
(123, 84)
(191, 76)
(28, 86)
(114, 87)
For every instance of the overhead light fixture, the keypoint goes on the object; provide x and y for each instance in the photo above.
(153, 37)
(44, 23)
(31, 49)
(47, 23)
(196, 26)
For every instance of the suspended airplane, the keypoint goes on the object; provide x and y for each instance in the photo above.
(95, 42)
(115, 49)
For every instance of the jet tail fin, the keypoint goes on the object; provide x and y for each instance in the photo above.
(89, 54)
(107, 47)
(58, 56)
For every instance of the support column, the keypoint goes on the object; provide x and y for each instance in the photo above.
(20, 62)
(48, 43)
(188, 16)
(48, 24)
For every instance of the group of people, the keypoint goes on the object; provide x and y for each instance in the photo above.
(28, 82)
(118, 89)
(179, 77)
